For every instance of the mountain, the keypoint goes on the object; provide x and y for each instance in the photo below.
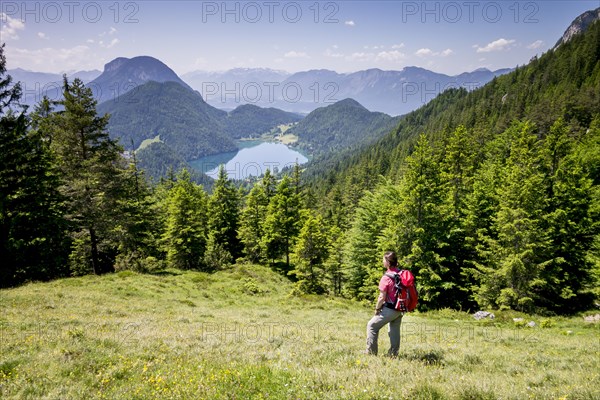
(392, 92)
(227, 89)
(36, 85)
(563, 83)
(249, 120)
(124, 74)
(173, 113)
(579, 25)
(344, 124)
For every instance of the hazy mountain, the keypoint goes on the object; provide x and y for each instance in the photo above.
(178, 115)
(37, 84)
(339, 126)
(392, 92)
(227, 88)
(579, 25)
(124, 74)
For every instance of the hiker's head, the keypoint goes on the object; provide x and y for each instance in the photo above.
(390, 260)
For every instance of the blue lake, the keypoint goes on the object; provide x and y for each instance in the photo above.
(253, 158)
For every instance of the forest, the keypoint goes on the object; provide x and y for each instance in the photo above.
(490, 197)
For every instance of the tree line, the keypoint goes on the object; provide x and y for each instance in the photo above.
(506, 222)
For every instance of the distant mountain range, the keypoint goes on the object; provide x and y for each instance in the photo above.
(391, 92)
(37, 84)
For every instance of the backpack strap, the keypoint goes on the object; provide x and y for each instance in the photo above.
(396, 278)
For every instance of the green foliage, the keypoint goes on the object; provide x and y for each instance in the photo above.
(184, 121)
(223, 208)
(252, 219)
(33, 242)
(91, 170)
(310, 252)
(282, 222)
(342, 125)
(249, 120)
(185, 234)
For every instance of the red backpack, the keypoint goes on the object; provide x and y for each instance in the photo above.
(406, 295)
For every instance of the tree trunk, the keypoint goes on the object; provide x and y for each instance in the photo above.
(94, 245)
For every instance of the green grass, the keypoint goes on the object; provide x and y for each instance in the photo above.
(147, 142)
(237, 334)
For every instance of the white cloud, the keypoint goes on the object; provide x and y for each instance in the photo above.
(425, 52)
(535, 45)
(42, 35)
(398, 46)
(393, 55)
(90, 41)
(350, 23)
(110, 44)
(497, 45)
(360, 56)
(296, 54)
(112, 30)
(10, 26)
(446, 53)
(49, 59)
(330, 53)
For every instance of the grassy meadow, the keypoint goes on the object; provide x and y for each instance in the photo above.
(238, 334)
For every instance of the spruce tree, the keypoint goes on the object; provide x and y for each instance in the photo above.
(223, 221)
(282, 223)
(251, 230)
(185, 234)
(310, 252)
(33, 240)
(91, 169)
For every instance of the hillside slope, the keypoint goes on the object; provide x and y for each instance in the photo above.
(342, 125)
(237, 334)
(561, 83)
(179, 115)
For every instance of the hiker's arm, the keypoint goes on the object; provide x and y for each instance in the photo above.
(380, 301)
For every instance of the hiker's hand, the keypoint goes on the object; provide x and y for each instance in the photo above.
(377, 311)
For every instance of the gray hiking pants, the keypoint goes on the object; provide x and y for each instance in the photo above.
(387, 315)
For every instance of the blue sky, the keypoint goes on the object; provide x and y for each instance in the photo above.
(448, 37)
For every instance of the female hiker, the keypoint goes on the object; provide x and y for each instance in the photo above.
(384, 310)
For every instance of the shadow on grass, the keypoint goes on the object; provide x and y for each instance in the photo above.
(427, 357)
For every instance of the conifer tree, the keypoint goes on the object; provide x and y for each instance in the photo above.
(282, 222)
(224, 207)
(511, 279)
(251, 230)
(185, 235)
(310, 253)
(91, 169)
(33, 240)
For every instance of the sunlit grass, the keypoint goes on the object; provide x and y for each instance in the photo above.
(237, 334)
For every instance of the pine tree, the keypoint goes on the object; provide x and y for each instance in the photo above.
(418, 227)
(91, 169)
(335, 265)
(185, 235)
(251, 230)
(512, 277)
(33, 241)
(365, 239)
(282, 222)
(457, 180)
(310, 253)
(224, 207)
(569, 223)
(138, 229)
